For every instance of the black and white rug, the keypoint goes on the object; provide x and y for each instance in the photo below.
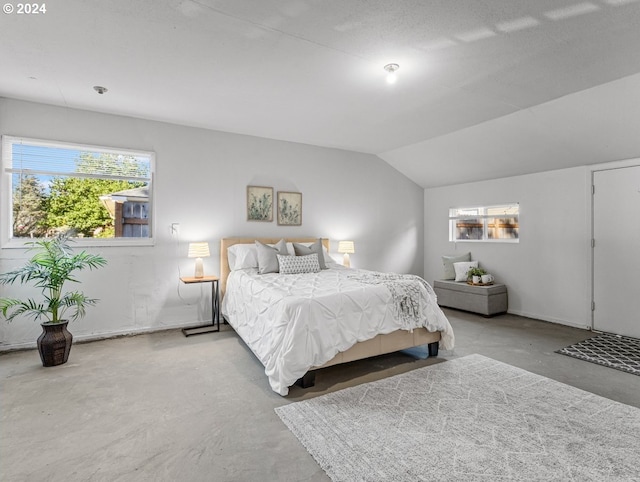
(467, 420)
(613, 351)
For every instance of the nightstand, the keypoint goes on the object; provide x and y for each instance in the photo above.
(215, 306)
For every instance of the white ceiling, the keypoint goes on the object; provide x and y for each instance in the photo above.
(486, 88)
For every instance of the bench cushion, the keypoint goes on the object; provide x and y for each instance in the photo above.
(463, 287)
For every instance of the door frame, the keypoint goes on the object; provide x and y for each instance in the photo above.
(592, 169)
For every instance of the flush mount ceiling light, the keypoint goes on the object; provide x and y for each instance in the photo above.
(391, 73)
(99, 89)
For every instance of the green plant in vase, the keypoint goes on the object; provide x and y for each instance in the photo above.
(53, 264)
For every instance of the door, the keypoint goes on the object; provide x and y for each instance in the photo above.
(131, 219)
(616, 252)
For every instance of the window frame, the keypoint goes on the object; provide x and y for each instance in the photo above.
(485, 217)
(6, 190)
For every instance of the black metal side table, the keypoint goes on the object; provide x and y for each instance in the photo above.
(215, 306)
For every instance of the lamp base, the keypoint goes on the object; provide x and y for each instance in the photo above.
(346, 261)
(199, 268)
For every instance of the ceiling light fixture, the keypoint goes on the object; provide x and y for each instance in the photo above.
(391, 73)
(99, 89)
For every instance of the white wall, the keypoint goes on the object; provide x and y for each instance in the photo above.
(548, 272)
(201, 179)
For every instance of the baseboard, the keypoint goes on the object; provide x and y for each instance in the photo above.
(18, 346)
(100, 336)
(549, 319)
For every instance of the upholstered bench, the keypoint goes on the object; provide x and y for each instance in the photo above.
(486, 300)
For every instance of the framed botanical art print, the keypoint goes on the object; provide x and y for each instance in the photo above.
(259, 203)
(289, 208)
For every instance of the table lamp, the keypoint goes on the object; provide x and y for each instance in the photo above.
(346, 247)
(199, 251)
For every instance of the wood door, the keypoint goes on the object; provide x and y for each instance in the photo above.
(616, 252)
(131, 219)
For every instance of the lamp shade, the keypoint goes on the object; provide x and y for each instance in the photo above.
(346, 247)
(199, 250)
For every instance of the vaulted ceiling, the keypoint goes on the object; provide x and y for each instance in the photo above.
(486, 88)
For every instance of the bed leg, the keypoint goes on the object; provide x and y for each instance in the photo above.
(433, 348)
(308, 380)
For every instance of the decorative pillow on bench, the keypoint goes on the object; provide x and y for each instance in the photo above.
(462, 268)
(447, 263)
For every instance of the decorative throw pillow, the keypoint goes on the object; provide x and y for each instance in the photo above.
(461, 269)
(447, 263)
(267, 256)
(299, 264)
(328, 260)
(302, 250)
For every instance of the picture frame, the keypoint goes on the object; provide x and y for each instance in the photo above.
(289, 208)
(260, 203)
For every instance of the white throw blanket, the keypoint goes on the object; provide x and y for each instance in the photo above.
(407, 293)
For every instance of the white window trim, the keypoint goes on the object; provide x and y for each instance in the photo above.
(6, 194)
(452, 219)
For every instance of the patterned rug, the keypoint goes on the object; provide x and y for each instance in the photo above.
(468, 419)
(613, 351)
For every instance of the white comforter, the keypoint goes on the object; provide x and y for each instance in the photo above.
(295, 322)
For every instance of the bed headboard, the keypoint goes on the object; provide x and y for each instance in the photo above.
(226, 242)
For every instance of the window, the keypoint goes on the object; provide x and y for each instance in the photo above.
(485, 223)
(96, 192)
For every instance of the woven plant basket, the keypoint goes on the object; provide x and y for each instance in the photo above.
(54, 344)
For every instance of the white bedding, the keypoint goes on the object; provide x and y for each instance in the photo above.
(295, 322)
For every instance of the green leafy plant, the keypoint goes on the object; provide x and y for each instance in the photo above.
(53, 264)
(475, 272)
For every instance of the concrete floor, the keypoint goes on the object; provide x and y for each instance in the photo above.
(162, 407)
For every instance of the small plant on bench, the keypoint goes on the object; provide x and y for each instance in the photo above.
(475, 272)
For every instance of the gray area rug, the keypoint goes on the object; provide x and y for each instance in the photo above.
(468, 419)
(613, 351)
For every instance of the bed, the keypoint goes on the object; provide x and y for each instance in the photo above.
(298, 323)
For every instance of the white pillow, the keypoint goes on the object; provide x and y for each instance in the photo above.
(328, 260)
(462, 267)
(242, 256)
(299, 264)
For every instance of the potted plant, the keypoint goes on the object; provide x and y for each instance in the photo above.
(474, 274)
(52, 265)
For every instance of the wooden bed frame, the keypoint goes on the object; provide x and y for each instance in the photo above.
(380, 345)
